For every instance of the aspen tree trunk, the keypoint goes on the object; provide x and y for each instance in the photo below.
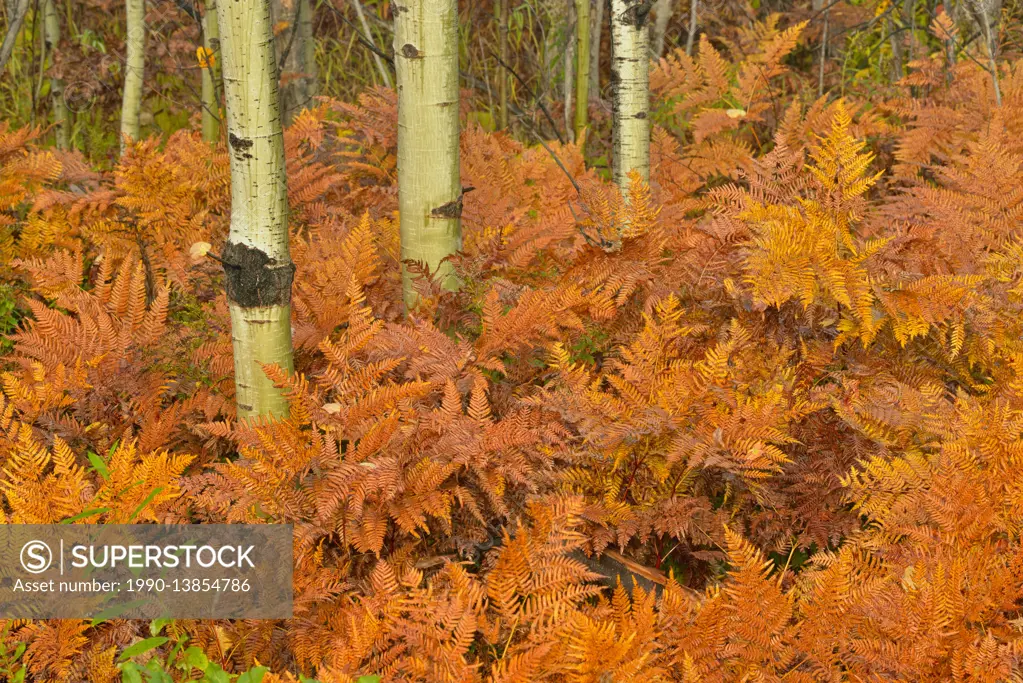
(950, 45)
(569, 87)
(211, 74)
(503, 75)
(909, 7)
(306, 27)
(257, 263)
(986, 14)
(824, 55)
(630, 78)
(582, 60)
(663, 8)
(134, 70)
(429, 187)
(51, 37)
(296, 55)
(694, 8)
(596, 33)
(895, 41)
(16, 12)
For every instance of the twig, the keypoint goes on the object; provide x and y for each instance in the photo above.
(365, 29)
(291, 38)
(366, 42)
(557, 161)
(539, 103)
(189, 9)
(466, 77)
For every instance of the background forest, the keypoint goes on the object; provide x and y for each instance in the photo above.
(727, 389)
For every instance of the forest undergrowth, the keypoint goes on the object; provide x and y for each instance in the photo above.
(783, 383)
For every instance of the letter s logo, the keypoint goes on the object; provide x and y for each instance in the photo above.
(36, 557)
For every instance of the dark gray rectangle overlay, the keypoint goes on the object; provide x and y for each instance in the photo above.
(146, 571)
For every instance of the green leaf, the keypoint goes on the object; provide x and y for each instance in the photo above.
(214, 674)
(253, 675)
(130, 673)
(368, 679)
(195, 658)
(84, 514)
(149, 499)
(116, 611)
(156, 673)
(158, 625)
(484, 118)
(141, 646)
(99, 465)
(19, 676)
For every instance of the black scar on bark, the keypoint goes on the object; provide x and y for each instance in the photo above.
(640, 115)
(636, 14)
(254, 279)
(240, 145)
(449, 210)
(409, 50)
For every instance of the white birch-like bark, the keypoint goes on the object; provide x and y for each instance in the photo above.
(630, 79)
(663, 10)
(211, 74)
(986, 14)
(429, 186)
(134, 70)
(258, 265)
(51, 38)
(16, 12)
(694, 7)
(582, 61)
